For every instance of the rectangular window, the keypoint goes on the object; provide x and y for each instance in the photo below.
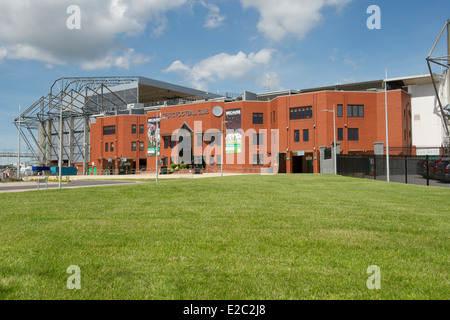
(141, 146)
(297, 136)
(258, 160)
(172, 143)
(199, 140)
(273, 116)
(355, 111)
(257, 118)
(305, 135)
(213, 140)
(211, 160)
(301, 113)
(340, 134)
(339, 110)
(166, 142)
(219, 159)
(361, 112)
(141, 129)
(353, 134)
(111, 147)
(257, 139)
(106, 147)
(218, 140)
(133, 129)
(133, 146)
(109, 130)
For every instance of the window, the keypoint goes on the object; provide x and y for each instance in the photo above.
(109, 130)
(218, 140)
(213, 140)
(305, 135)
(273, 116)
(340, 134)
(141, 146)
(355, 111)
(361, 112)
(141, 129)
(133, 146)
(257, 118)
(172, 143)
(353, 134)
(257, 139)
(106, 147)
(133, 129)
(301, 113)
(199, 140)
(339, 110)
(258, 160)
(219, 159)
(211, 160)
(297, 136)
(166, 142)
(111, 146)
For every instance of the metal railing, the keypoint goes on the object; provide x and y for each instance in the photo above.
(427, 171)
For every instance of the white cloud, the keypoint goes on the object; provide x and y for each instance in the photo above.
(213, 18)
(270, 81)
(351, 63)
(222, 66)
(117, 61)
(280, 18)
(333, 57)
(37, 30)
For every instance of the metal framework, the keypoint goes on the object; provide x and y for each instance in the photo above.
(69, 99)
(443, 61)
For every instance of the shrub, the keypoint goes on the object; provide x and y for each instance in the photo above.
(173, 165)
(183, 166)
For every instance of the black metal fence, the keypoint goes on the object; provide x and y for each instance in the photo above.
(425, 171)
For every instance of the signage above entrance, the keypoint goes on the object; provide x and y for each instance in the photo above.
(180, 114)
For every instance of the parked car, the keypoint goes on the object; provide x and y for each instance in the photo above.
(432, 166)
(422, 167)
(443, 171)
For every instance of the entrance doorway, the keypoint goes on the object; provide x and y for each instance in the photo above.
(282, 163)
(297, 164)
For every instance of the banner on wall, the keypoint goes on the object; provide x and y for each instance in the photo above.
(153, 135)
(233, 136)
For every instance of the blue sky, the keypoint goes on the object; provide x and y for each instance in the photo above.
(224, 46)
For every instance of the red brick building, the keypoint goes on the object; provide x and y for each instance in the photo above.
(293, 127)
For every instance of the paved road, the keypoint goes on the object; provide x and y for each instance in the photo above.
(413, 179)
(33, 186)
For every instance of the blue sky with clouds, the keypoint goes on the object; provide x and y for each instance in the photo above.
(225, 46)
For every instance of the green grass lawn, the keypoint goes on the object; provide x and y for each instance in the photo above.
(242, 237)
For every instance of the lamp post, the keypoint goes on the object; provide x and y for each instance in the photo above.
(61, 126)
(387, 130)
(221, 148)
(158, 136)
(18, 149)
(60, 146)
(334, 134)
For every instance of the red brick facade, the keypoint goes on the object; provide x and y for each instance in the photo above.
(359, 132)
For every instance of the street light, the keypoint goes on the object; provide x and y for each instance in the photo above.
(158, 136)
(221, 148)
(334, 133)
(61, 124)
(18, 149)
